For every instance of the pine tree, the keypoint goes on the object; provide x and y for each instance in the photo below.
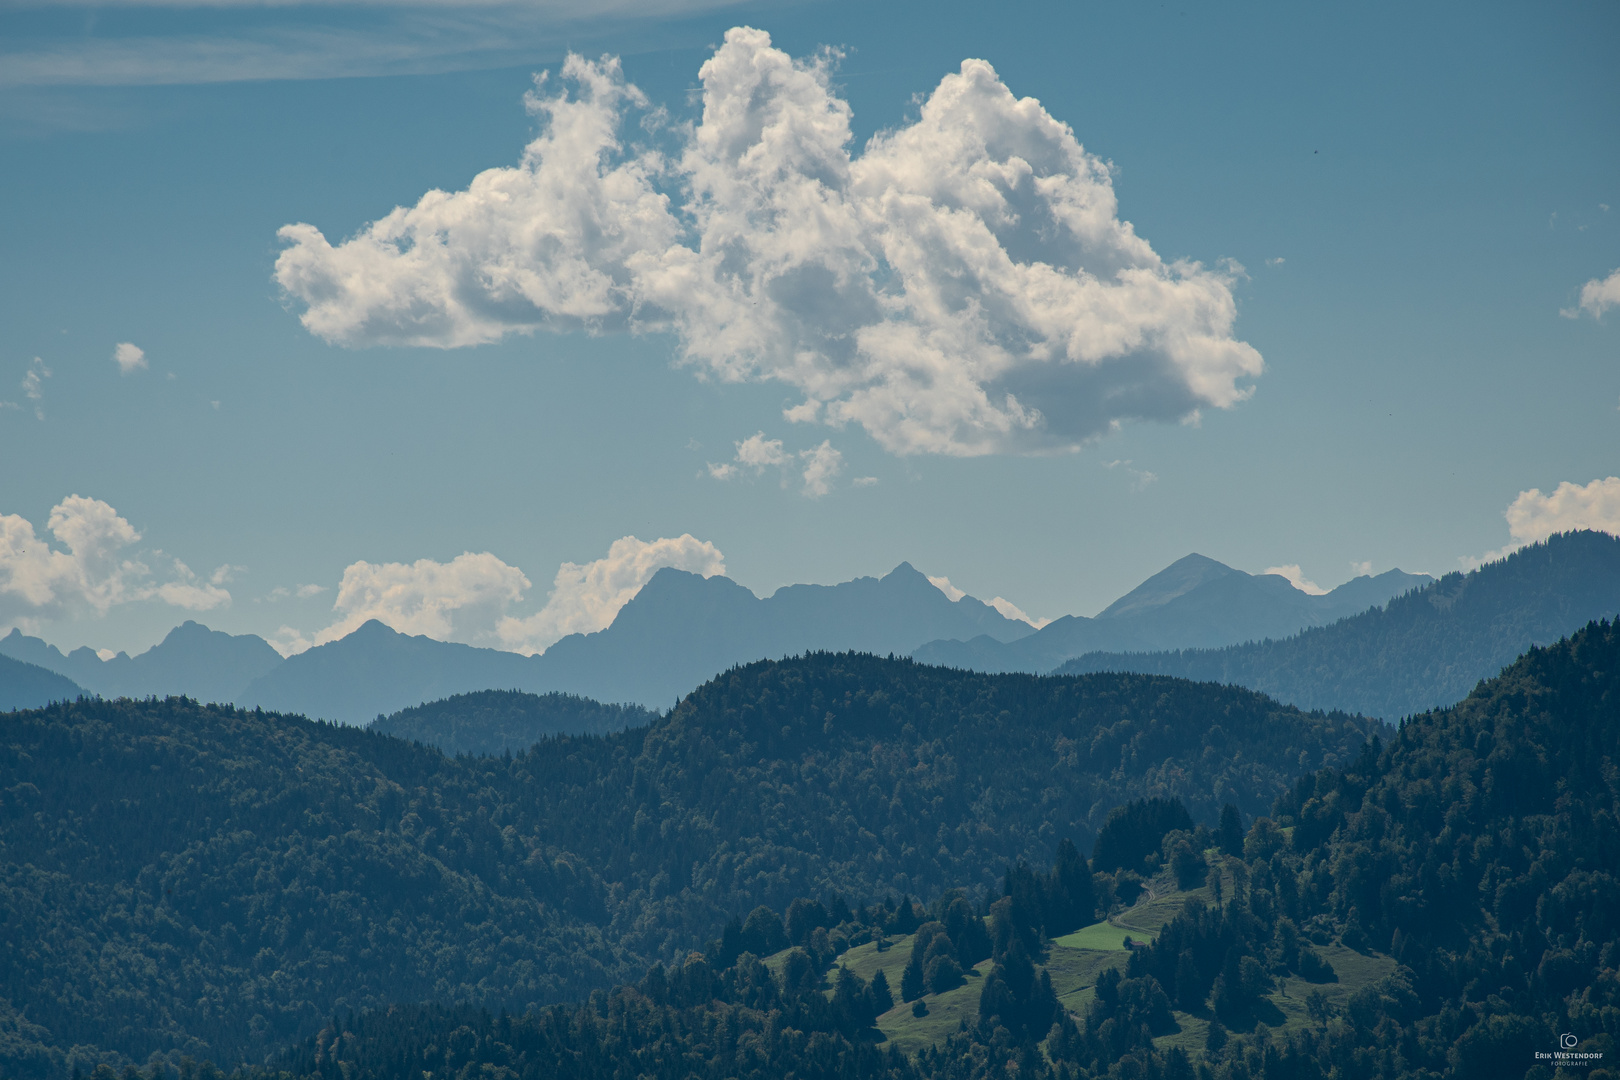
(1230, 834)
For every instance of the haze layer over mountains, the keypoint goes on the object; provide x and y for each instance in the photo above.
(1383, 645)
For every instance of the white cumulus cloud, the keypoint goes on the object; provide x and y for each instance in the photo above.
(129, 357)
(460, 600)
(476, 598)
(289, 641)
(1597, 296)
(963, 286)
(821, 467)
(186, 590)
(1533, 516)
(585, 597)
(817, 467)
(91, 571)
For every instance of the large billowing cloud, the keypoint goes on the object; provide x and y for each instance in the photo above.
(586, 596)
(90, 572)
(453, 601)
(471, 598)
(1533, 516)
(963, 286)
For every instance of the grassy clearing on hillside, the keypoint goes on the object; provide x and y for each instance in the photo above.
(1102, 937)
(1074, 971)
(866, 961)
(1287, 1012)
(1355, 970)
(1075, 961)
(946, 1013)
(1149, 916)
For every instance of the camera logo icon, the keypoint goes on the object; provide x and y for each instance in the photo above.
(1567, 1042)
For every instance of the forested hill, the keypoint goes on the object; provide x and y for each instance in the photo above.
(1462, 878)
(857, 774)
(1423, 650)
(28, 686)
(182, 878)
(494, 721)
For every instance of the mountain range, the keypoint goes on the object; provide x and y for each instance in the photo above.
(192, 659)
(1194, 602)
(676, 632)
(1197, 617)
(1422, 650)
(679, 630)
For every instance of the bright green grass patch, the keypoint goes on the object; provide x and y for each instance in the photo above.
(1099, 937)
(946, 1012)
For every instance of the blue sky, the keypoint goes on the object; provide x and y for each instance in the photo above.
(1416, 199)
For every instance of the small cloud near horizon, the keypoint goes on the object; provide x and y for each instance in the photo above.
(1000, 603)
(471, 599)
(1533, 516)
(1296, 578)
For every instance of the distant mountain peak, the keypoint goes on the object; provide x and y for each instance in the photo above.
(1179, 578)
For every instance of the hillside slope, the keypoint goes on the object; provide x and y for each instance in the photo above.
(1426, 649)
(1444, 906)
(28, 686)
(177, 877)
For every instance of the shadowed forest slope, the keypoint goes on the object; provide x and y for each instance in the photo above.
(1444, 905)
(198, 879)
(1420, 651)
(495, 721)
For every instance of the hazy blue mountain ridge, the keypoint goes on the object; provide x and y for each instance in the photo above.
(1195, 602)
(193, 660)
(377, 670)
(29, 686)
(680, 630)
(1426, 648)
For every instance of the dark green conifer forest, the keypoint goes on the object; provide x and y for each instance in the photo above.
(838, 866)
(496, 721)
